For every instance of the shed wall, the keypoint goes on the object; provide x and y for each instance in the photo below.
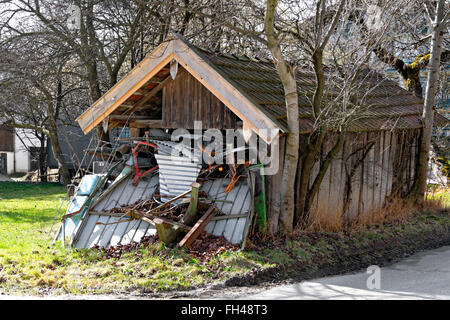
(389, 166)
(186, 100)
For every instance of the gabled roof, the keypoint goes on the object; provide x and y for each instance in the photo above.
(253, 91)
(253, 117)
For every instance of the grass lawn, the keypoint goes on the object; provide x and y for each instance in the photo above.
(31, 264)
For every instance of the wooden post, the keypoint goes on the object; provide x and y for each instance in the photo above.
(187, 219)
(192, 209)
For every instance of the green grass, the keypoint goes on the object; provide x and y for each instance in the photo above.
(442, 195)
(31, 264)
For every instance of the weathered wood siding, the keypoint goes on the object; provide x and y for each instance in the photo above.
(6, 139)
(186, 100)
(389, 167)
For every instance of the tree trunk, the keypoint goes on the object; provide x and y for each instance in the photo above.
(57, 152)
(420, 182)
(287, 76)
(43, 155)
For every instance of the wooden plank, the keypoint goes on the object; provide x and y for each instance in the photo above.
(179, 101)
(101, 202)
(127, 193)
(165, 108)
(141, 123)
(115, 196)
(197, 228)
(313, 175)
(362, 184)
(336, 184)
(188, 103)
(219, 227)
(384, 166)
(367, 200)
(230, 216)
(392, 150)
(274, 211)
(377, 171)
(406, 157)
(239, 227)
(118, 232)
(206, 187)
(124, 117)
(324, 191)
(140, 232)
(161, 220)
(238, 199)
(128, 235)
(141, 188)
(414, 152)
(239, 231)
(216, 187)
(150, 231)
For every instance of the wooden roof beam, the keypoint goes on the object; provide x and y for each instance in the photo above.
(123, 89)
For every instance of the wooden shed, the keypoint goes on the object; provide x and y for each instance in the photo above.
(226, 91)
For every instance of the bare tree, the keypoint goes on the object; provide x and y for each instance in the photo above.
(315, 33)
(439, 16)
(33, 93)
(307, 37)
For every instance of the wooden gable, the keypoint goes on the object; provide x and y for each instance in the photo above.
(185, 100)
(139, 86)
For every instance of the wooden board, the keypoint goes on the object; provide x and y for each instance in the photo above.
(197, 228)
(377, 168)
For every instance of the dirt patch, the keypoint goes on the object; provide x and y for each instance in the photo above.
(4, 178)
(204, 247)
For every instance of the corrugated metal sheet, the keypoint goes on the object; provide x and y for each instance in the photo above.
(235, 208)
(90, 233)
(238, 201)
(113, 231)
(82, 193)
(176, 175)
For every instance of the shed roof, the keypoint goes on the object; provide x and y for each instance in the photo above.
(382, 103)
(253, 91)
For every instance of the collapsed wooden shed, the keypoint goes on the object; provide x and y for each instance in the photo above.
(178, 84)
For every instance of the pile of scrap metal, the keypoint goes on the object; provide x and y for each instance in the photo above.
(146, 189)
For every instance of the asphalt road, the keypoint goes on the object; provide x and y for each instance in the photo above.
(425, 275)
